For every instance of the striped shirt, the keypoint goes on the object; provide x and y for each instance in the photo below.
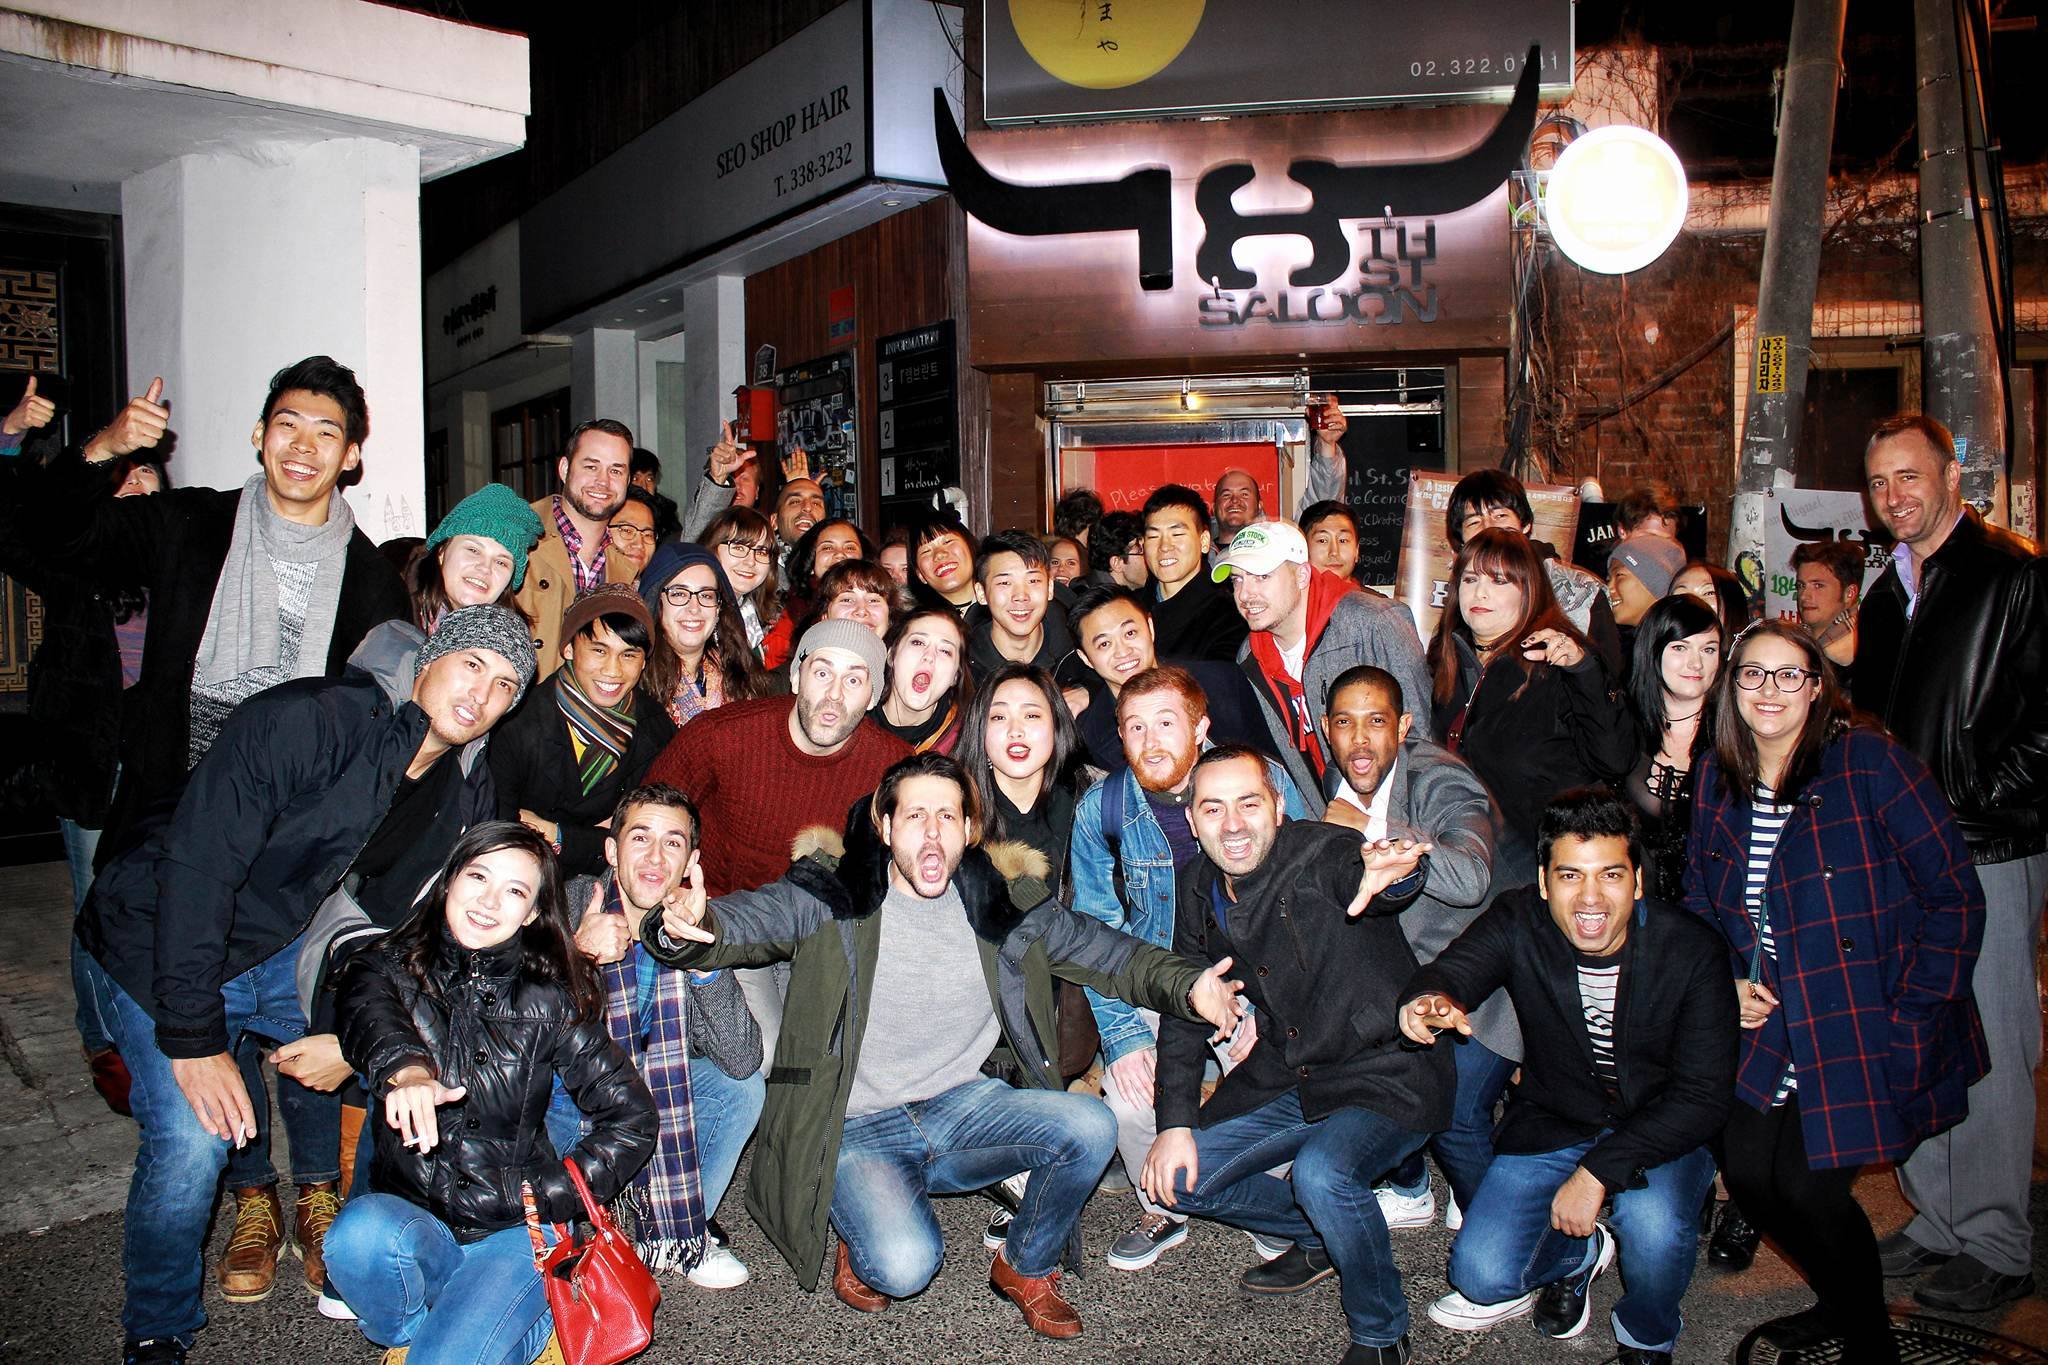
(1766, 822)
(1599, 980)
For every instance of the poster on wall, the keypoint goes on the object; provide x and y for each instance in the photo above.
(917, 418)
(1597, 534)
(1423, 583)
(1801, 515)
(815, 410)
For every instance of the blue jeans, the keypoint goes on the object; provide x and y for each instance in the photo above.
(892, 1161)
(724, 1110)
(1465, 1149)
(454, 1303)
(88, 986)
(178, 1165)
(1507, 1246)
(312, 1126)
(1328, 1203)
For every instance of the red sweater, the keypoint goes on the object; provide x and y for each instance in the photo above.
(755, 789)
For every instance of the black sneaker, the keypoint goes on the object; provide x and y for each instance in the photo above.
(998, 1230)
(1967, 1285)
(1733, 1245)
(1359, 1354)
(1290, 1272)
(1899, 1256)
(1565, 1306)
(154, 1351)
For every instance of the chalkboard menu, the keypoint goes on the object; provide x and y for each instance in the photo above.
(918, 427)
(1381, 448)
(815, 407)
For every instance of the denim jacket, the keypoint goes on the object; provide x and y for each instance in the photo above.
(1146, 910)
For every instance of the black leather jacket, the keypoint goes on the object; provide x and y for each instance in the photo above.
(504, 1038)
(1964, 682)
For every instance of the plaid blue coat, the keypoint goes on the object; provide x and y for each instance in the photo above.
(1877, 916)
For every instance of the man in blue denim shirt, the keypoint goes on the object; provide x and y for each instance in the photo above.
(1123, 867)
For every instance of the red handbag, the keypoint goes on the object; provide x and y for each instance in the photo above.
(601, 1293)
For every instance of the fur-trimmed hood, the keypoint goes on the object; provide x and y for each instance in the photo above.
(849, 870)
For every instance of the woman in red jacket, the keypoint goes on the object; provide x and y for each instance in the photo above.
(1826, 855)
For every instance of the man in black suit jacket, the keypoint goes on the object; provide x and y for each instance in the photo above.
(1628, 1068)
(1329, 1085)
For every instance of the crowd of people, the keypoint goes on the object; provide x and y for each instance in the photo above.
(1158, 857)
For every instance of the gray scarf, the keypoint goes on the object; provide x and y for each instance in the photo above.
(241, 627)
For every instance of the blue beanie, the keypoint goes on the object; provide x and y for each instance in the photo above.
(670, 558)
(494, 512)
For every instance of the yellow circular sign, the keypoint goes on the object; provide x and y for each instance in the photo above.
(1105, 44)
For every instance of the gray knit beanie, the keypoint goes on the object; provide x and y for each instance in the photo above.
(850, 637)
(501, 630)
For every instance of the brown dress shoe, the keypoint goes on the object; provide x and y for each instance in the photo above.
(314, 1213)
(1045, 1312)
(851, 1291)
(249, 1271)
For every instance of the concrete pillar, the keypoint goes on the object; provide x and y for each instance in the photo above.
(604, 368)
(237, 266)
(715, 325)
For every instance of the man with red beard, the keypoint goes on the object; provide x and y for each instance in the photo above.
(1131, 832)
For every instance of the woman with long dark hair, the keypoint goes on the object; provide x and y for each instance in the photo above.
(1824, 852)
(1518, 693)
(460, 1021)
(1671, 685)
(699, 658)
(744, 542)
(816, 552)
(1718, 586)
(929, 684)
(1018, 742)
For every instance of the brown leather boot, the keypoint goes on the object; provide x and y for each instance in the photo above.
(311, 1217)
(352, 1116)
(249, 1271)
(1045, 1312)
(851, 1291)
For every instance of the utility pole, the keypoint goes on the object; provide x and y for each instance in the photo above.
(1963, 382)
(1791, 271)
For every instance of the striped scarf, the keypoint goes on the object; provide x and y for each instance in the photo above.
(599, 735)
(666, 1199)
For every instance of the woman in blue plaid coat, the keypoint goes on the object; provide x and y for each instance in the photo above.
(1827, 856)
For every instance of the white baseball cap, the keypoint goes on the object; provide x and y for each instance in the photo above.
(1261, 548)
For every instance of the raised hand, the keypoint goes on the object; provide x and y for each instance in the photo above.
(1216, 1000)
(410, 1103)
(1335, 424)
(31, 412)
(1428, 1015)
(139, 426)
(682, 914)
(727, 456)
(796, 464)
(1553, 647)
(1386, 861)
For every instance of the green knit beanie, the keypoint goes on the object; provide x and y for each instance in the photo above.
(494, 512)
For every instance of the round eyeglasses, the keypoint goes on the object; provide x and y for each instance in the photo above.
(677, 595)
(1750, 677)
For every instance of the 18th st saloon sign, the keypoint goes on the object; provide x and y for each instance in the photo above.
(1273, 237)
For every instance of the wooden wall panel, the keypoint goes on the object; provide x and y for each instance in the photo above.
(898, 270)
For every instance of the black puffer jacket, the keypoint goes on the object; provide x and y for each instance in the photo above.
(503, 1038)
(1964, 682)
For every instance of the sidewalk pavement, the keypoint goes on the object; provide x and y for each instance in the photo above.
(65, 1162)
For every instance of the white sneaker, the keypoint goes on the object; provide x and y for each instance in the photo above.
(1406, 1210)
(1015, 1184)
(1454, 1217)
(1460, 1314)
(334, 1309)
(1269, 1248)
(719, 1269)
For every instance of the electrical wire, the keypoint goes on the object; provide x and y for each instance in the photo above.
(1994, 263)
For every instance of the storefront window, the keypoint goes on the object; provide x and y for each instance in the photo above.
(525, 439)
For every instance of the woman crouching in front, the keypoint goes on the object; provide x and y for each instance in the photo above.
(459, 1021)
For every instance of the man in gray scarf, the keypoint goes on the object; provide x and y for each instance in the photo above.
(247, 588)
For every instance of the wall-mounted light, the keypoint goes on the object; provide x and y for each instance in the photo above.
(1615, 199)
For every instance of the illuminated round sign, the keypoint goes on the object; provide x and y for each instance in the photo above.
(1616, 198)
(1105, 46)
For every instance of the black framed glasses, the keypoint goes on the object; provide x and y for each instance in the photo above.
(1750, 677)
(741, 550)
(677, 595)
(629, 534)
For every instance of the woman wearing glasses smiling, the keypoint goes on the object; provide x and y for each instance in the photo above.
(745, 545)
(699, 658)
(1825, 854)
